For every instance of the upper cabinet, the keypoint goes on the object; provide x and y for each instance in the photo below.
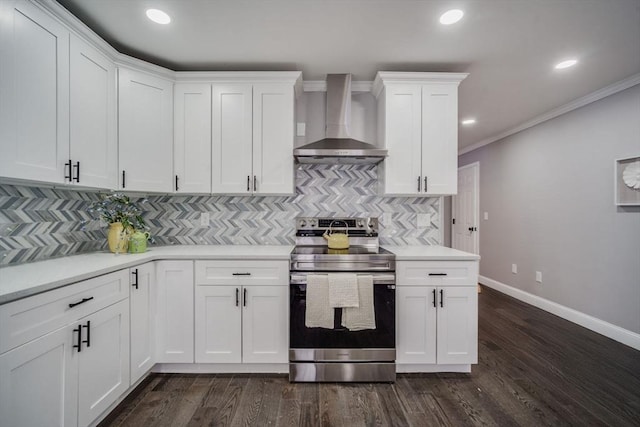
(418, 124)
(34, 94)
(253, 134)
(145, 119)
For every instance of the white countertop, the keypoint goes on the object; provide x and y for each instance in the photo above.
(430, 253)
(29, 279)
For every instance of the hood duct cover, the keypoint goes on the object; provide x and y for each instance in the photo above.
(338, 147)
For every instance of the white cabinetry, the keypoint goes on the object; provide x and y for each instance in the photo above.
(145, 118)
(34, 88)
(241, 312)
(143, 317)
(437, 312)
(418, 124)
(65, 353)
(252, 140)
(192, 138)
(174, 327)
(92, 117)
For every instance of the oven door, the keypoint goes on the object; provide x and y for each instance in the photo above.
(339, 343)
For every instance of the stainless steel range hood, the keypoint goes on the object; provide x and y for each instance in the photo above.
(338, 147)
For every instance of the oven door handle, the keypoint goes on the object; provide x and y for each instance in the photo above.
(378, 279)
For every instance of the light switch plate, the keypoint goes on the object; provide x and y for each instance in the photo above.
(204, 219)
(301, 129)
(514, 268)
(486, 216)
(539, 276)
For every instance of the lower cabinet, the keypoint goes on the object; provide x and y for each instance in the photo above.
(142, 302)
(437, 313)
(174, 326)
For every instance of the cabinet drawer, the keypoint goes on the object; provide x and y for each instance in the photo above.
(32, 317)
(437, 273)
(242, 272)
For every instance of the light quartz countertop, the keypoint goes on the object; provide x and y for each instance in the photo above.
(24, 280)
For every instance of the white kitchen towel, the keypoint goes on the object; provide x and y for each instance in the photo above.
(318, 312)
(363, 317)
(343, 290)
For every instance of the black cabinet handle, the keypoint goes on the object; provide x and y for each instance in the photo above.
(69, 176)
(441, 298)
(255, 183)
(73, 304)
(425, 184)
(237, 297)
(123, 179)
(248, 183)
(241, 274)
(244, 297)
(176, 182)
(437, 274)
(79, 342)
(77, 168)
(88, 340)
(418, 184)
(434, 298)
(134, 273)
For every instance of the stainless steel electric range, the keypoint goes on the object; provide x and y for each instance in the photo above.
(320, 354)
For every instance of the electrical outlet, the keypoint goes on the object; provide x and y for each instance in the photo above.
(301, 129)
(486, 216)
(386, 219)
(514, 268)
(204, 219)
(423, 220)
(539, 276)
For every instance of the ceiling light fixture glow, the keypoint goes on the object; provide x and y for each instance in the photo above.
(451, 16)
(158, 16)
(566, 64)
(468, 122)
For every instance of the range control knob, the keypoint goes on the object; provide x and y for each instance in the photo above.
(360, 223)
(302, 223)
(312, 223)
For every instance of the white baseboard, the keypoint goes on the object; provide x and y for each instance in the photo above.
(607, 329)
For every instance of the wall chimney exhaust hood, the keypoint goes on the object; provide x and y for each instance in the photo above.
(338, 147)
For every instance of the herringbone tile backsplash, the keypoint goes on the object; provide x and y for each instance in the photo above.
(41, 223)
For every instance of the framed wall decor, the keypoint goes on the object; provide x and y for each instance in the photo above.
(627, 181)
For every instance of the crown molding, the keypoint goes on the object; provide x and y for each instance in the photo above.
(573, 105)
(321, 86)
(398, 77)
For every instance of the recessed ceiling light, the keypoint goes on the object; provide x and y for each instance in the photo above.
(468, 122)
(451, 16)
(158, 16)
(566, 64)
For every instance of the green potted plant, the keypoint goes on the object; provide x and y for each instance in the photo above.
(124, 218)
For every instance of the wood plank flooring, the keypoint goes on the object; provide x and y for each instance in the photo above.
(534, 369)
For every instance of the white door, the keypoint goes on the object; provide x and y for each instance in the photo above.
(218, 320)
(145, 120)
(439, 139)
(265, 332)
(34, 94)
(273, 121)
(93, 139)
(416, 324)
(403, 139)
(231, 140)
(192, 140)
(103, 363)
(143, 317)
(457, 325)
(38, 383)
(174, 327)
(465, 210)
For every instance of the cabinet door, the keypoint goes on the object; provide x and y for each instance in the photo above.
(218, 324)
(103, 362)
(143, 316)
(34, 88)
(38, 384)
(273, 121)
(440, 138)
(145, 132)
(458, 325)
(174, 327)
(192, 139)
(92, 134)
(402, 135)
(416, 324)
(265, 328)
(231, 139)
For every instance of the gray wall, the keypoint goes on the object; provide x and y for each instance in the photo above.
(549, 194)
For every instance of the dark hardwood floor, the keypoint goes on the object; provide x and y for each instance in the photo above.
(534, 369)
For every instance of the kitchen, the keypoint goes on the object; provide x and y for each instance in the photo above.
(199, 218)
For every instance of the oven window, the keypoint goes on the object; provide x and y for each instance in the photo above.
(382, 337)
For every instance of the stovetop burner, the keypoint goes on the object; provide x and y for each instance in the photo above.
(352, 250)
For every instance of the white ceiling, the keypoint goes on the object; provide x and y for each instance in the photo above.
(509, 47)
